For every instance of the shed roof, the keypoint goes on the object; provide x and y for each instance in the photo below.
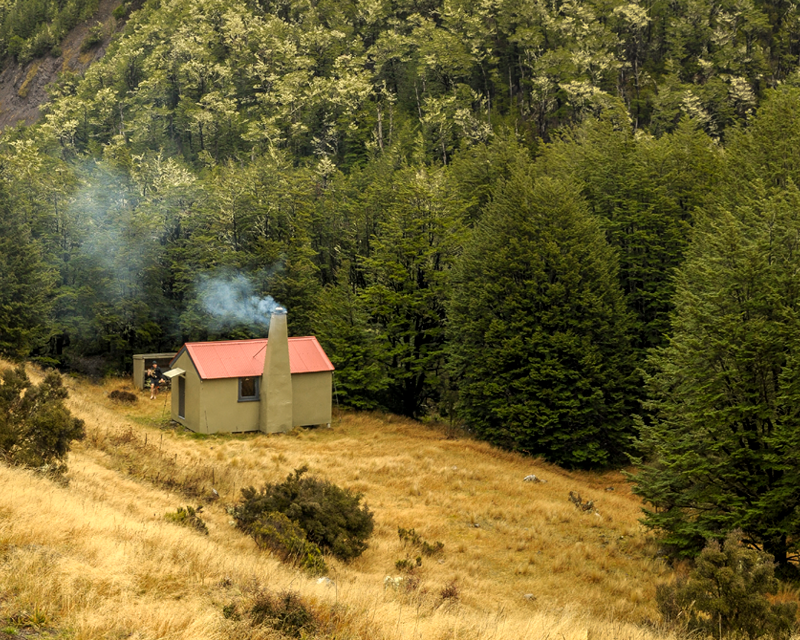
(245, 358)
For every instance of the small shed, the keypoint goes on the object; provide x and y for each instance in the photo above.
(268, 384)
(142, 361)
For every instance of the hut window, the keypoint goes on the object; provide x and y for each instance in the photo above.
(248, 389)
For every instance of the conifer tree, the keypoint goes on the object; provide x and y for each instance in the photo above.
(341, 323)
(646, 192)
(538, 328)
(25, 283)
(406, 274)
(723, 451)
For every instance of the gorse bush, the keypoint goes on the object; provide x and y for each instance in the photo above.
(331, 517)
(36, 429)
(725, 594)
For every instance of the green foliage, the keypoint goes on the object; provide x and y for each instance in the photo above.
(722, 450)
(36, 429)
(725, 594)
(407, 565)
(538, 329)
(285, 538)
(331, 517)
(406, 286)
(646, 192)
(342, 327)
(411, 537)
(93, 38)
(287, 613)
(122, 11)
(31, 28)
(188, 517)
(25, 282)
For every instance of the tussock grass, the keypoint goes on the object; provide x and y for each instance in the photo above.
(96, 559)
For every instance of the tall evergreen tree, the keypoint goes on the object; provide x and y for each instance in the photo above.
(538, 328)
(25, 283)
(342, 325)
(723, 450)
(407, 284)
(646, 192)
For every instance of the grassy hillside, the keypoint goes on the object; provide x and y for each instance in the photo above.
(96, 559)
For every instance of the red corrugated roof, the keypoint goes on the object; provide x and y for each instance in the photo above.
(244, 358)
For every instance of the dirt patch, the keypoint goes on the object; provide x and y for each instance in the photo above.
(22, 87)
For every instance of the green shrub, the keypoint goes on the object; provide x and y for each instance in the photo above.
(410, 536)
(274, 531)
(36, 429)
(121, 12)
(230, 612)
(432, 549)
(331, 517)
(15, 46)
(188, 517)
(407, 565)
(725, 594)
(286, 613)
(93, 38)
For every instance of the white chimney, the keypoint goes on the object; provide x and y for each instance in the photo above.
(276, 381)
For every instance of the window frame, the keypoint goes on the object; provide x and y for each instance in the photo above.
(257, 383)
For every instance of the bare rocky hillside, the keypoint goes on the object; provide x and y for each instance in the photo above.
(22, 87)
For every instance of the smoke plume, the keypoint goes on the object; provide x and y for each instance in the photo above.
(231, 300)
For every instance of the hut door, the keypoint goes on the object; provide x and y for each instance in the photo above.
(181, 397)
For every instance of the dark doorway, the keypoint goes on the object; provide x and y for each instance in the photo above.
(181, 397)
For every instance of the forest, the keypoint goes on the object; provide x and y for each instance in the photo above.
(569, 228)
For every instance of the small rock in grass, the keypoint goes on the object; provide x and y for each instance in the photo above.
(532, 478)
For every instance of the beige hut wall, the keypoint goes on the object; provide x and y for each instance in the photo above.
(312, 395)
(212, 406)
(193, 390)
(221, 410)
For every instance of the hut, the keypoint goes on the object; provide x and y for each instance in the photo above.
(269, 384)
(142, 361)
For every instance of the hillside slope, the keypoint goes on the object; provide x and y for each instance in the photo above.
(22, 86)
(97, 558)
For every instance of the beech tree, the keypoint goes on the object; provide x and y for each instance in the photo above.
(25, 283)
(722, 451)
(538, 331)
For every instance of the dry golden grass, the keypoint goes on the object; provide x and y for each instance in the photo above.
(96, 559)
